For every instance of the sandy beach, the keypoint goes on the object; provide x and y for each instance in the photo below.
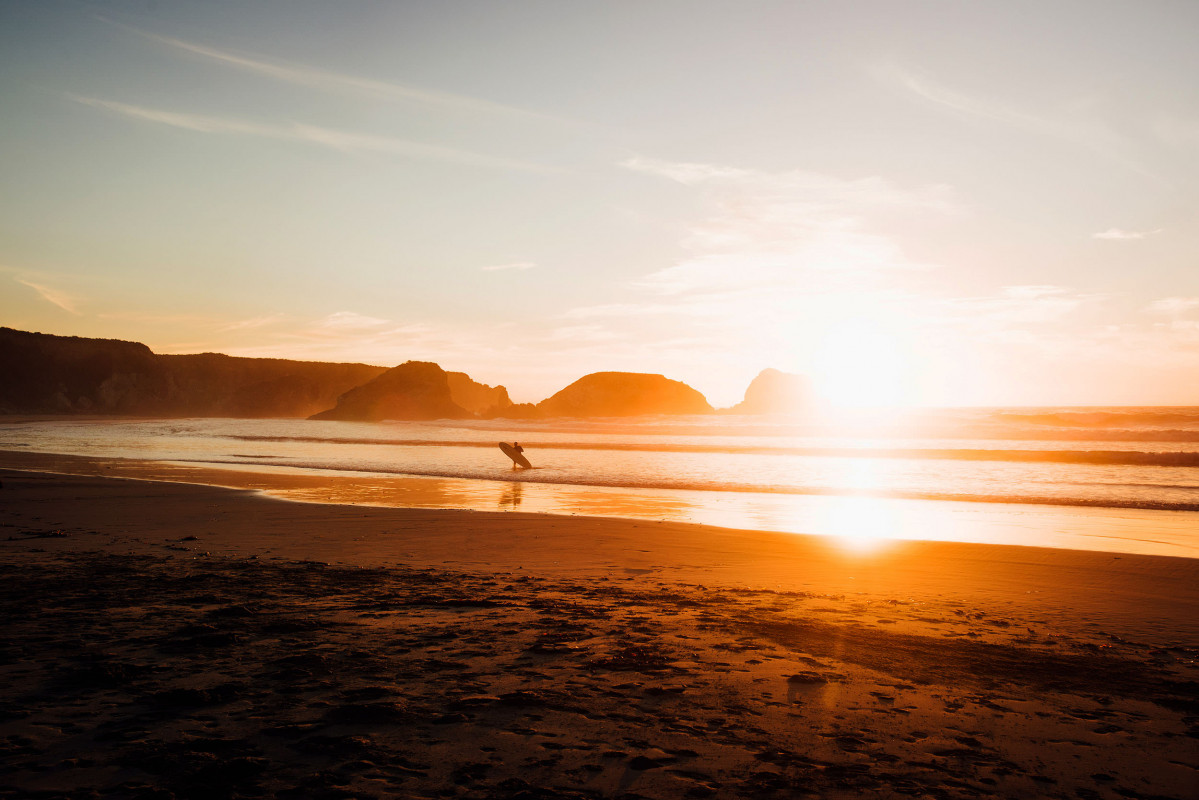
(174, 640)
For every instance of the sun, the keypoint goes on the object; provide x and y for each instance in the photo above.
(862, 363)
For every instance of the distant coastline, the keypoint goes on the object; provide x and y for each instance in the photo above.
(69, 375)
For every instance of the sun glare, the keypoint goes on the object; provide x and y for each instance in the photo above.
(862, 364)
(860, 524)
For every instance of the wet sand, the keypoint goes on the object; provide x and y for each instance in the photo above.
(863, 519)
(165, 639)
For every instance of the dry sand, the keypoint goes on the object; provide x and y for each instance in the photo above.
(165, 639)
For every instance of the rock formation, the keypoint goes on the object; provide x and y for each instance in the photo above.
(623, 394)
(775, 392)
(413, 390)
(477, 398)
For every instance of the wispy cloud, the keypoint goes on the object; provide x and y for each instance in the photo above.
(1173, 306)
(351, 321)
(338, 82)
(254, 323)
(800, 190)
(624, 310)
(1012, 310)
(343, 141)
(784, 233)
(57, 297)
(1119, 234)
(1089, 133)
(516, 265)
(928, 89)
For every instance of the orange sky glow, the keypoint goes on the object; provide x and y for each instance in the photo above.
(928, 205)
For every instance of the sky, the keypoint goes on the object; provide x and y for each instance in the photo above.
(913, 203)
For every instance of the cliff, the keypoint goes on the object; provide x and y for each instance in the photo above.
(623, 394)
(413, 390)
(775, 392)
(477, 398)
(45, 374)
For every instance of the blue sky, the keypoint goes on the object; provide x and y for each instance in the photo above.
(924, 202)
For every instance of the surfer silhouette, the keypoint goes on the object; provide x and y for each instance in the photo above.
(514, 451)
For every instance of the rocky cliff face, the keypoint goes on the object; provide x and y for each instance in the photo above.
(623, 394)
(413, 390)
(477, 398)
(775, 392)
(45, 374)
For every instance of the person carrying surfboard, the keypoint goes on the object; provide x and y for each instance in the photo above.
(514, 451)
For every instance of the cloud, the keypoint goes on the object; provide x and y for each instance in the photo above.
(624, 310)
(967, 105)
(340, 83)
(1034, 291)
(1011, 311)
(800, 190)
(687, 173)
(518, 265)
(780, 235)
(1173, 306)
(1089, 133)
(1118, 234)
(343, 141)
(350, 321)
(254, 323)
(57, 297)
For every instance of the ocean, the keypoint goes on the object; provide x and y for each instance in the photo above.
(1114, 479)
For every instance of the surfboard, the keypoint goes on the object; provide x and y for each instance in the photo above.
(517, 459)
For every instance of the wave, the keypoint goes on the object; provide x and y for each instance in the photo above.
(1100, 418)
(1083, 434)
(530, 476)
(1136, 458)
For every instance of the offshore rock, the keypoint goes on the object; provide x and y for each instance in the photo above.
(623, 394)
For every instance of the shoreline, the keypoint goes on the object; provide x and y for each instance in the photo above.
(860, 521)
(167, 636)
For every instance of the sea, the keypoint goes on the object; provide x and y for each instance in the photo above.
(1120, 480)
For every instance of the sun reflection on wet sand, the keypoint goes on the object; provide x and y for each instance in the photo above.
(860, 524)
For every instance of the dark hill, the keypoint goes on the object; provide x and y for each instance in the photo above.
(623, 394)
(45, 374)
(413, 390)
